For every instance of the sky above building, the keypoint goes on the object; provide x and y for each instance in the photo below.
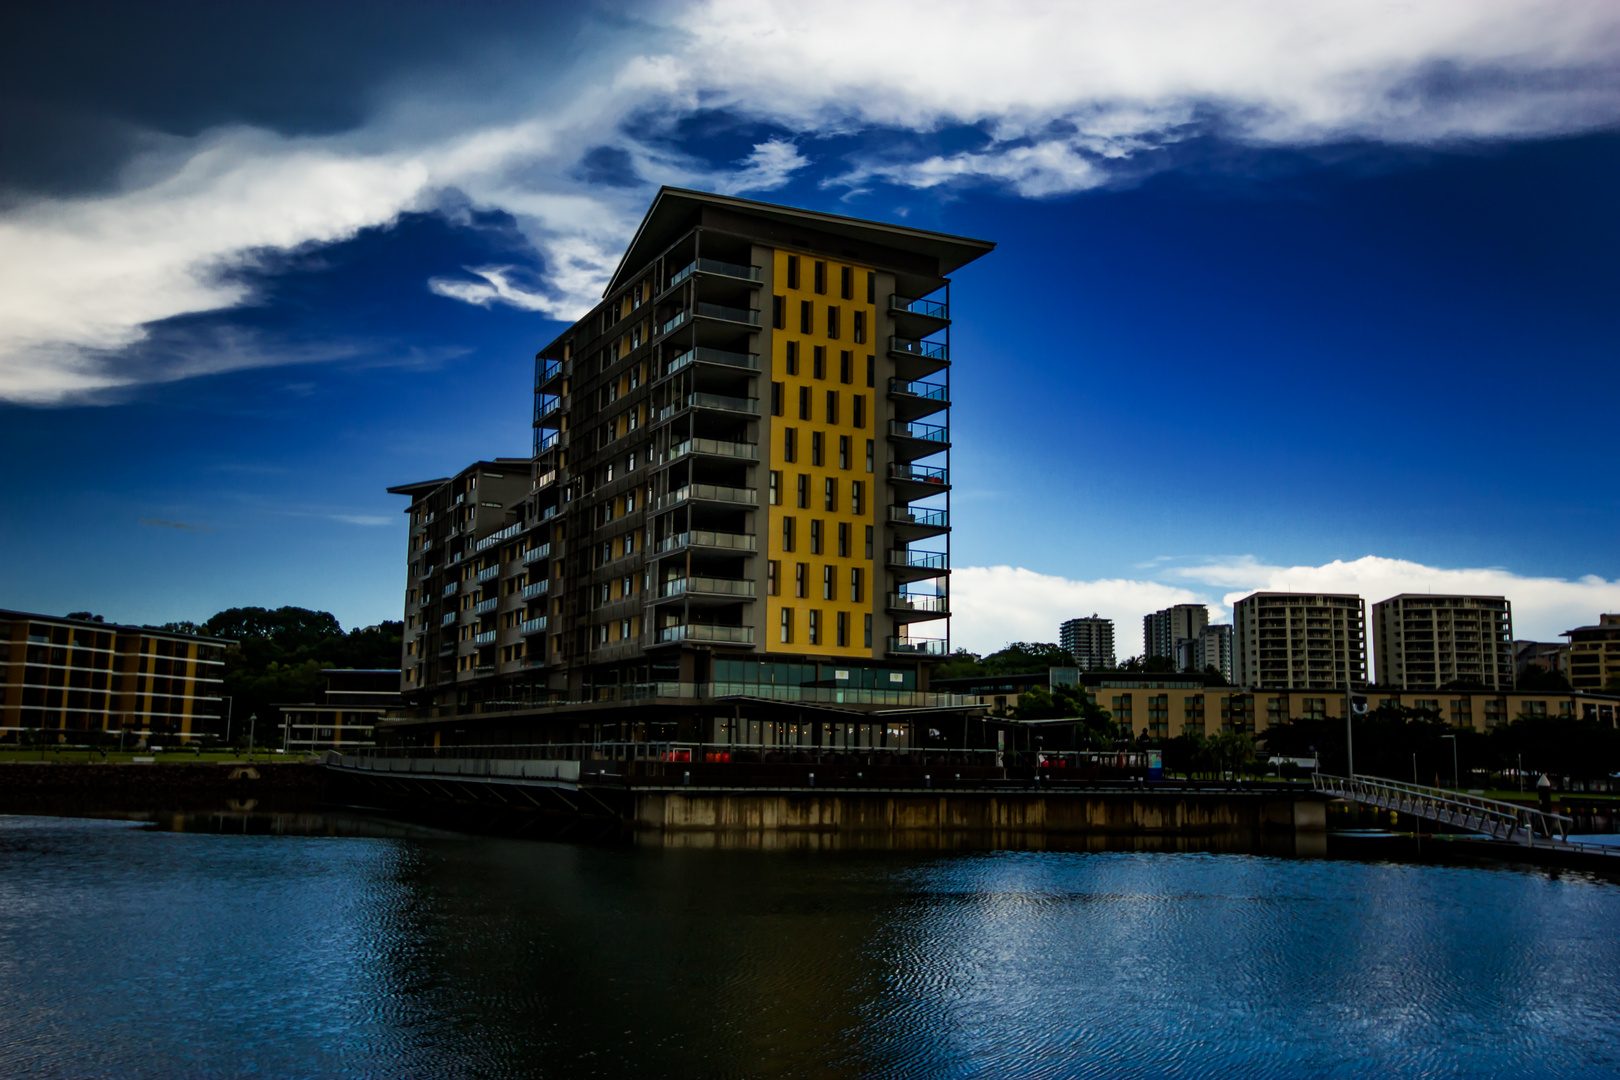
(1285, 296)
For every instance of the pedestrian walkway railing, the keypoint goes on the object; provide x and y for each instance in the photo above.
(1468, 813)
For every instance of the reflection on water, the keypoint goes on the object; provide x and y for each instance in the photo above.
(312, 945)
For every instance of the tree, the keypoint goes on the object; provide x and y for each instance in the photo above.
(84, 616)
(1018, 658)
(1154, 665)
(1539, 680)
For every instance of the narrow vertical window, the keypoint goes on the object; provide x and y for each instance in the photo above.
(776, 399)
(815, 617)
(804, 491)
(804, 403)
(843, 539)
(779, 313)
(857, 330)
(829, 494)
(801, 580)
(843, 629)
(807, 317)
(871, 298)
(773, 584)
(787, 625)
(857, 585)
(870, 451)
(869, 543)
(787, 534)
(832, 407)
(829, 582)
(816, 448)
(868, 617)
(871, 370)
(846, 367)
(833, 311)
(846, 282)
(821, 277)
(815, 536)
(818, 363)
(791, 353)
(790, 447)
(793, 271)
(857, 497)
(859, 411)
(776, 487)
(843, 451)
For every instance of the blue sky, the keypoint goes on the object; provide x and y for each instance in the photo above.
(1282, 298)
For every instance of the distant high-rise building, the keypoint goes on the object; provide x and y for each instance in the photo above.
(1162, 629)
(1212, 648)
(1425, 642)
(1090, 641)
(1301, 641)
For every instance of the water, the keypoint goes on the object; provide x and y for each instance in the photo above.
(133, 951)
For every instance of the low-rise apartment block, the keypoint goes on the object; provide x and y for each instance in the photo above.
(1301, 641)
(1594, 653)
(69, 680)
(1424, 641)
(354, 701)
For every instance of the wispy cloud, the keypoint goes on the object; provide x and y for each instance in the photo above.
(366, 519)
(162, 523)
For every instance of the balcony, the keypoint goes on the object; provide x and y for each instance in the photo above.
(911, 646)
(921, 518)
(449, 617)
(450, 589)
(488, 573)
(726, 588)
(484, 607)
(934, 433)
(913, 482)
(746, 316)
(535, 554)
(713, 448)
(746, 361)
(708, 493)
(922, 605)
(928, 309)
(534, 626)
(548, 442)
(719, 402)
(705, 539)
(554, 370)
(716, 267)
(929, 350)
(733, 635)
(536, 588)
(487, 637)
(913, 399)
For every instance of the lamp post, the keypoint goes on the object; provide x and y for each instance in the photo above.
(1455, 781)
(253, 722)
(230, 703)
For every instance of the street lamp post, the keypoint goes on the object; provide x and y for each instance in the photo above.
(230, 703)
(253, 722)
(1456, 782)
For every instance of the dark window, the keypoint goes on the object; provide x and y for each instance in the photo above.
(859, 413)
(843, 539)
(804, 403)
(846, 283)
(858, 330)
(779, 313)
(829, 495)
(871, 298)
(871, 449)
(801, 580)
(773, 585)
(787, 534)
(793, 271)
(846, 366)
(816, 448)
(843, 451)
(815, 628)
(804, 491)
(832, 320)
(790, 445)
(857, 586)
(815, 537)
(857, 497)
(871, 371)
(821, 277)
(832, 406)
(829, 582)
(793, 361)
(869, 541)
(818, 362)
(776, 488)
(843, 624)
(807, 317)
(776, 399)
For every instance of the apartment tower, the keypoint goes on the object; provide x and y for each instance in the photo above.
(1301, 641)
(1162, 629)
(1090, 641)
(740, 482)
(1425, 642)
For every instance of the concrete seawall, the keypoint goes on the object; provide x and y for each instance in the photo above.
(55, 788)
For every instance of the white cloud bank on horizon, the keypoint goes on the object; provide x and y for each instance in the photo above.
(1067, 94)
(995, 605)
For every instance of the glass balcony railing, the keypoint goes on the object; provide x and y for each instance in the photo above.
(729, 314)
(749, 361)
(707, 586)
(449, 617)
(714, 448)
(918, 560)
(910, 646)
(536, 588)
(715, 266)
(925, 602)
(484, 607)
(921, 474)
(534, 626)
(933, 350)
(450, 589)
(930, 391)
(485, 638)
(701, 400)
(709, 493)
(535, 554)
(549, 441)
(489, 572)
(935, 433)
(736, 635)
(681, 319)
(925, 517)
(933, 309)
(705, 538)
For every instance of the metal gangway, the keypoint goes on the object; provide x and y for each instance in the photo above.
(1505, 821)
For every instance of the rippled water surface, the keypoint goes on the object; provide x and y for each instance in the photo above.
(129, 951)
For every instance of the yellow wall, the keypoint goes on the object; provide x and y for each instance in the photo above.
(790, 471)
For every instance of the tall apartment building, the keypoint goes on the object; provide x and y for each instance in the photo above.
(1212, 648)
(1162, 629)
(1424, 642)
(1090, 640)
(740, 480)
(1594, 653)
(66, 679)
(1301, 641)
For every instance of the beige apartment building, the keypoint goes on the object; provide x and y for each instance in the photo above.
(1301, 641)
(1594, 653)
(1424, 641)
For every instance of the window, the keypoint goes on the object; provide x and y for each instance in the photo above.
(815, 617)
(818, 363)
(773, 584)
(869, 618)
(790, 447)
(776, 488)
(804, 491)
(871, 370)
(776, 399)
(859, 410)
(821, 277)
(815, 536)
(787, 625)
(793, 283)
(846, 282)
(627, 587)
(787, 534)
(843, 539)
(858, 329)
(792, 356)
(833, 311)
(801, 580)
(807, 317)
(870, 450)
(832, 406)
(816, 448)
(843, 629)
(779, 313)
(829, 494)
(829, 582)
(843, 451)
(629, 543)
(857, 497)
(857, 585)
(804, 403)
(871, 298)
(869, 542)
(846, 367)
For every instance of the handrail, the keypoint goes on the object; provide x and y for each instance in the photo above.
(1500, 820)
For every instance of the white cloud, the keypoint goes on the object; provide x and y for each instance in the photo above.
(371, 520)
(1067, 94)
(999, 604)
